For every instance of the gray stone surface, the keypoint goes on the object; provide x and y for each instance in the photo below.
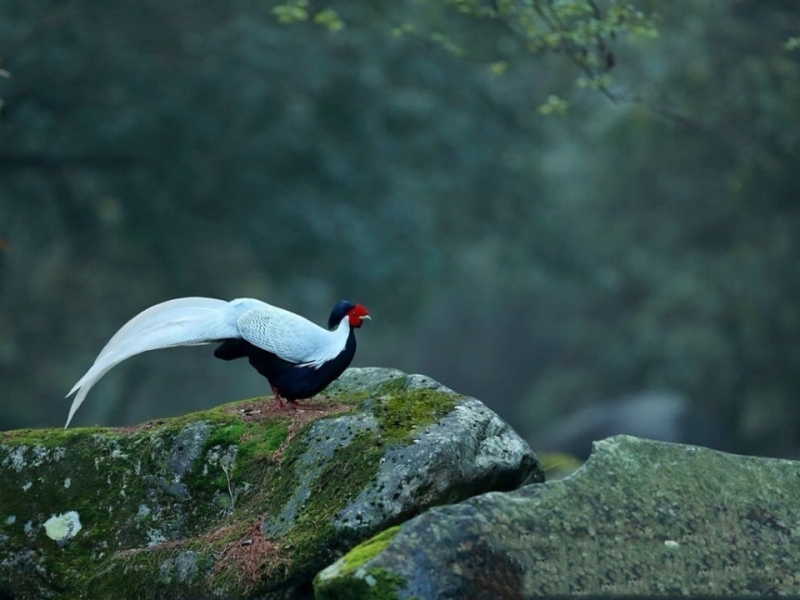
(640, 517)
(467, 449)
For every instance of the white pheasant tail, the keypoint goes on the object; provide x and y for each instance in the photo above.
(195, 321)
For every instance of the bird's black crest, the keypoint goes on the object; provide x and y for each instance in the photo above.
(339, 312)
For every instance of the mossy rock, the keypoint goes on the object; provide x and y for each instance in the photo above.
(241, 501)
(640, 519)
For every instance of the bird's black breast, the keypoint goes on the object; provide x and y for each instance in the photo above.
(293, 382)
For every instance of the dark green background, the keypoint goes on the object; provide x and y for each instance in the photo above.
(543, 264)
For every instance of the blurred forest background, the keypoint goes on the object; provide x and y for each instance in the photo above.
(585, 261)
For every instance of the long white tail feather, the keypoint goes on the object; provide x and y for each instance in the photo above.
(179, 306)
(162, 314)
(180, 322)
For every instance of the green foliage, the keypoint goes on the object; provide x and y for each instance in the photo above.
(582, 31)
(291, 12)
(499, 67)
(554, 105)
(793, 43)
(330, 19)
(297, 11)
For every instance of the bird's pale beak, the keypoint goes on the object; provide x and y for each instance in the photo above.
(367, 317)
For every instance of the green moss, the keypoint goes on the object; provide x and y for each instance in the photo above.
(367, 550)
(393, 386)
(330, 491)
(348, 397)
(253, 442)
(265, 441)
(219, 415)
(73, 471)
(363, 583)
(54, 437)
(401, 413)
(227, 435)
(374, 584)
(124, 575)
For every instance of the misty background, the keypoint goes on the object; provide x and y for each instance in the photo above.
(609, 265)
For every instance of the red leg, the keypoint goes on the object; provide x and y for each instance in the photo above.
(278, 402)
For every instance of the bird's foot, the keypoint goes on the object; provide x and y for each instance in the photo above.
(291, 404)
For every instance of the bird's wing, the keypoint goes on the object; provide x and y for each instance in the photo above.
(288, 336)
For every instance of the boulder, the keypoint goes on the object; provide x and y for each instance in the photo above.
(241, 501)
(639, 518)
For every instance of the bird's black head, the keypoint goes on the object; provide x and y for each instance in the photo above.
(345, 308)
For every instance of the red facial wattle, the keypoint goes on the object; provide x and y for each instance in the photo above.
(357, 315)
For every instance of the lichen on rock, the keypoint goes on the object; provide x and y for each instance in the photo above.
(241, 501)
(62, 527)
